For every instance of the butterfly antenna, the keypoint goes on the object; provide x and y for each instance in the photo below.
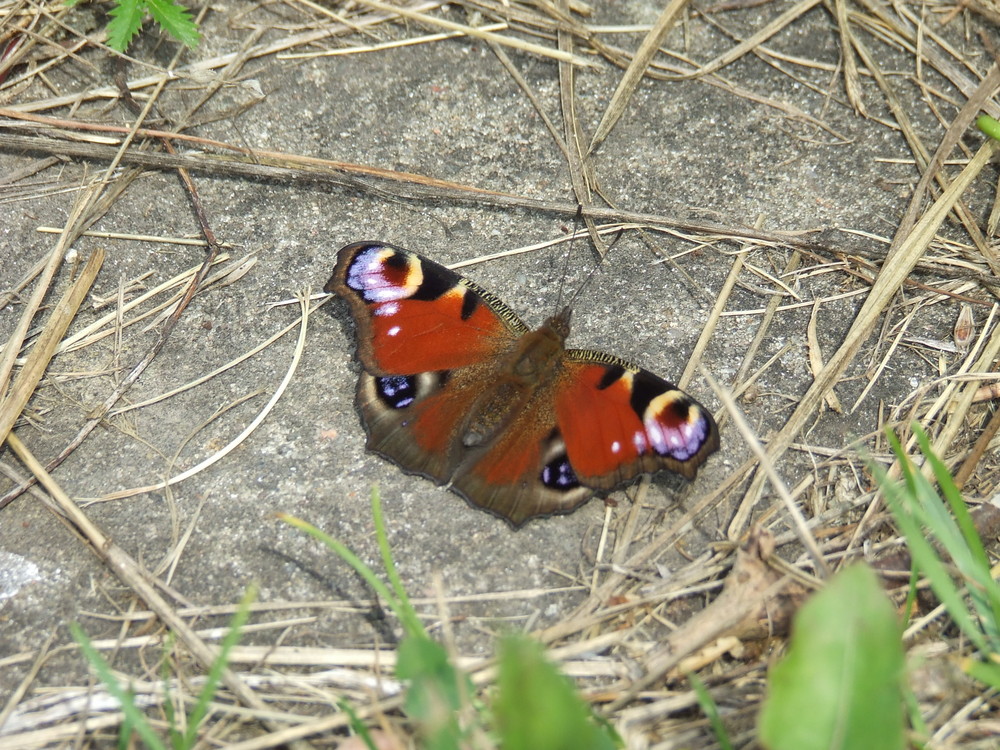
(569, 252)
(597, 267)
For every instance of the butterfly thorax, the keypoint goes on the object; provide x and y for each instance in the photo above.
(533, 363)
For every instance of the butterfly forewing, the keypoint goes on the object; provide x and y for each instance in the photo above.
(620, 420)
(414, 315)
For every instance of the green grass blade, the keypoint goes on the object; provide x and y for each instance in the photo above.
(919, 730)
(349, 557)
(711, 711)
(925, 557)
(989, 126)
(955, 500)
(969, 552)
(133, 715)
(126, 732)
(433, 696)
(408, 615)
(219, 665)
(175, 734)
(911, 594)
(356, 724)
(987, 672)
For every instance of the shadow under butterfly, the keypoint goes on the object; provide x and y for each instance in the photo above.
(457, 389)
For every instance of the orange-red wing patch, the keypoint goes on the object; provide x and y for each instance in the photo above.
(436, 420)
(415, 316)
(524, 473)
(415, 336)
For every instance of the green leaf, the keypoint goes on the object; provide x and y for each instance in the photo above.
(176, 20)
(433, 695)
(126, 20)
(839, 687)
(537, 707)
(421, 657)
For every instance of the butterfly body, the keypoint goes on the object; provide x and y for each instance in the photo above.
(457, 388)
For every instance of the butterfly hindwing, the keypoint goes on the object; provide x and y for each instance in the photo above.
(469, 428)
(525, 472)
(596, 425)
(416, 420)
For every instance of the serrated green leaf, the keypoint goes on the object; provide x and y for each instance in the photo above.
(126, 20)
(839, 686)
(537, 707)
(176, 20)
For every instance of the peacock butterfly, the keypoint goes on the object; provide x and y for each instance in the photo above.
(456, 388)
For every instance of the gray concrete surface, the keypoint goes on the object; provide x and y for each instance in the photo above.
(450, 111)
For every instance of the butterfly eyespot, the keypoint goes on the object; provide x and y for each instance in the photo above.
(383, 275)
(396, 391)
(674, 426)
(558, 474)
